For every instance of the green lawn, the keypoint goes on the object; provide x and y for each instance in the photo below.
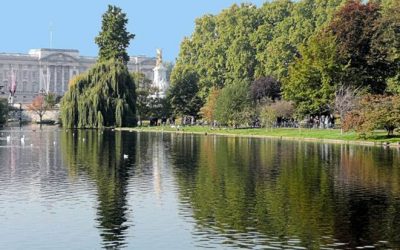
(331, 134)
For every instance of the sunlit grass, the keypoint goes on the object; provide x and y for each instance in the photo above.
(331, 134)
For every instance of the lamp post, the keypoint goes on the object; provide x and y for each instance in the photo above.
(20, 114)
(42, 92)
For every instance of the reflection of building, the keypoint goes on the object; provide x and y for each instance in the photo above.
(51, 69)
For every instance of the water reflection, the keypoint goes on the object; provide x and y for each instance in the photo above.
(100, 155)
(75, 189)
(287, 194)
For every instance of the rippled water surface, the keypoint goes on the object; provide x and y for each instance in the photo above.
(89, 190)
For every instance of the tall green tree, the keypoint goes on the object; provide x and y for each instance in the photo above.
(354, 27)
(114, 39)
(244, 43)
(183, 92)
(386, 44)
(105, 95)
(313, 77)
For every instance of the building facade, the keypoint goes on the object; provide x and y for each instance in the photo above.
(50, 70)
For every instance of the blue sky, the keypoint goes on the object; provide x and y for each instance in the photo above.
(156, 23)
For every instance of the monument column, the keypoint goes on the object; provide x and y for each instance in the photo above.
(55, 78)
(62, 80)
(48, 79)
(41, 75)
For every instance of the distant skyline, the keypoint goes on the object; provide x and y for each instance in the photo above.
(157, 24)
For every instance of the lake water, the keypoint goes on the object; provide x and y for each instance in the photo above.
(76, 190)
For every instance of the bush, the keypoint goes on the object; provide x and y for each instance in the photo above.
(3, 110)
(271, 112)
(233, 105)
(374, 112)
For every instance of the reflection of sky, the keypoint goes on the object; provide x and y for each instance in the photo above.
(42, 205)
(39, 205)
(158, 225)
(157, 219)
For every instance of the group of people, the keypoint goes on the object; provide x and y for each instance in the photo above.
(317, 121)
(323, 121)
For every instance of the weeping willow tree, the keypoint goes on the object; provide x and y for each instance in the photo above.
(105, 95)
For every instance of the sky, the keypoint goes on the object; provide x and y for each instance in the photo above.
(161, 24)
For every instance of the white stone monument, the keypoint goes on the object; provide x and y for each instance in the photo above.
(160, 82)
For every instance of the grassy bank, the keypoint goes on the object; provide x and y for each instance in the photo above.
(328, 135)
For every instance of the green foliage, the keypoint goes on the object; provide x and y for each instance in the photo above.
(170, 67)
(100, 158)
(271, 111)
(50, 100)
(394, 84)
(244, 42)
(386, 44)
(313, 77)
(141, 81)
(233, 105)
(3, 110)
(361, 35)
(208, 110)
(312, 46)
(158, 107)
(104, 96)
(183, 92)
(113, 39)
(147, 104)
(268, 116)
(375, 112)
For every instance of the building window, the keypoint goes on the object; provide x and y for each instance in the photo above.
(35, 87)
(24, 86)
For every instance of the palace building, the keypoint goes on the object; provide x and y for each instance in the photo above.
(50, 70)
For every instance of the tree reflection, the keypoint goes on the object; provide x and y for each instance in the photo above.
(100, 156)
(295, 193)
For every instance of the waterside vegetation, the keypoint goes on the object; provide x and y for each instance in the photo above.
(105, 95)
(327, 135)
(315, 60)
